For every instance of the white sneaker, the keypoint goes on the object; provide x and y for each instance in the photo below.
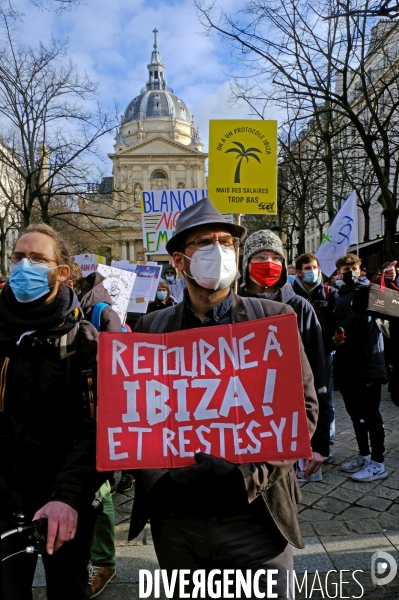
(356, 463)
(371, 472)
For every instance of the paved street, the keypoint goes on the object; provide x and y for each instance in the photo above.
(343, 523)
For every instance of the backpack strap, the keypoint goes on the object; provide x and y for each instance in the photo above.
(69, 342)
(68, 346)
(253, 308)
(96, 314)
(4, 362)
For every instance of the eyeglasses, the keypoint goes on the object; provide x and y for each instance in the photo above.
(264, 258)
(34, 258)
(206, 244)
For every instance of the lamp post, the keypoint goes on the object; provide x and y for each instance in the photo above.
(288, 247)
(274, 227)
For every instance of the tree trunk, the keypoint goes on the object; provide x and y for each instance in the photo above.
(45, 216)
(366, 215)
(301, 234)
(3, 267)
(388, 247)
(328, 161)
(25, 218)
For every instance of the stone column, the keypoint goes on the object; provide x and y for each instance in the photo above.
(145, 179)
(173, 182)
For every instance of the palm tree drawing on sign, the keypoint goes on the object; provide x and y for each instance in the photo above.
(242, 153)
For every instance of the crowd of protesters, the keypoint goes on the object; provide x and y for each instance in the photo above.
(212, 514)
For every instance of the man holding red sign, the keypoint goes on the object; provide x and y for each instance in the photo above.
(214, 513)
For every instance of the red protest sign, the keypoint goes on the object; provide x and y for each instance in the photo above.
(234, 391)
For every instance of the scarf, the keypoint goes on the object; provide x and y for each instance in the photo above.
(60, 315)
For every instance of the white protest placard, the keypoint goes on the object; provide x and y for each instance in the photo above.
(145, 285)
(88, 262)
(161, 209)
(119, 285)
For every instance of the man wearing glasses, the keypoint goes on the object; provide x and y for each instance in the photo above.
(47, 435)
(215, 514)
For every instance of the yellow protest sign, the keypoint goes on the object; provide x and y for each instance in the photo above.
(243, 166)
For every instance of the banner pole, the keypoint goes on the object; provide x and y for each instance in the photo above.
(237, 257)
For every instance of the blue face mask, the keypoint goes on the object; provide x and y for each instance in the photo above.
(162, 295)
(338, 282)
(310, 276)
(291, 279)
(170, 278)
(29, 282)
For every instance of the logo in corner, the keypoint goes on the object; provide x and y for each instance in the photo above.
(380, 562)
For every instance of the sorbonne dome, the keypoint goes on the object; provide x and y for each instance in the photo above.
(157, 146)
(157, 110)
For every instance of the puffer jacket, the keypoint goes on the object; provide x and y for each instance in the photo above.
(362, 354)
(47, 438)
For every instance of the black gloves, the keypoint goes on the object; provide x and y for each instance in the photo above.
(218, 466)
(207, 465)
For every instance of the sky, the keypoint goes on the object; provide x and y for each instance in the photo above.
(112, 41)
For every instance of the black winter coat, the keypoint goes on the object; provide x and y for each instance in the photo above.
(323, 298)
(362, 354)
(312, 339)
(47, 438)
(159, 305)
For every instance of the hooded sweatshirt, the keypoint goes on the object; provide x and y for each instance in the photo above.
(109, 320)
(323, 299)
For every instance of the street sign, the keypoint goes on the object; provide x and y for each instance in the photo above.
(243, 166)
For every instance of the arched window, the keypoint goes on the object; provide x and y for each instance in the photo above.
(158, 175)
(159, 180)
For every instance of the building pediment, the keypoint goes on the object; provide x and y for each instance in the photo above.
(160, 145)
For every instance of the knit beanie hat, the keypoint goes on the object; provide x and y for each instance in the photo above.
(264, 239)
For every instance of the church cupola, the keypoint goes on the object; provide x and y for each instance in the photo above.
(156, 70)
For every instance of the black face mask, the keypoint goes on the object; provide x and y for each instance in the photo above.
(350, 277)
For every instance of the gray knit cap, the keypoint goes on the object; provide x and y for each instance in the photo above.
(264, 239)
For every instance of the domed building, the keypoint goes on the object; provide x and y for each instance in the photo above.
(157, 147)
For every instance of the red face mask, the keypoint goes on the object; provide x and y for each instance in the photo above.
(266, 273)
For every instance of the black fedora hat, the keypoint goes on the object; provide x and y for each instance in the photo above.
(201, 213)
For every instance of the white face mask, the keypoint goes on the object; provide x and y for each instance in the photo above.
(213, 270)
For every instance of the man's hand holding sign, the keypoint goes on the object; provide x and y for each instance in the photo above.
(222, 391)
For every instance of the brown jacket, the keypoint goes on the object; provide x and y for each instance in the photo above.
(277, 484)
